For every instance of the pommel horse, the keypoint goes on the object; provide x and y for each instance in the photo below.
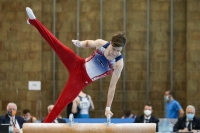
(72, 127)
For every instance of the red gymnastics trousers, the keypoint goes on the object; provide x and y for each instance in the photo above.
(78, 77)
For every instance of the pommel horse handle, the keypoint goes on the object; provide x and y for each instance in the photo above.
(108, 120)
(71, 120)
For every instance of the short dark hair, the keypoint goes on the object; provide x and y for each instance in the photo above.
(26, 111)
(148, 104)
(127, 113)
(118, 39)
(171, 92)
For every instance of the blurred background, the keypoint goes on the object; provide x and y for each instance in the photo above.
(162, 52)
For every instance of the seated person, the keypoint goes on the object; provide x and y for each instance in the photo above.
(69, 110)
(188, 122)
(128, 114)
(82, 104)
(147, 117)
(27, 116)
(59, 118)
(12, 119)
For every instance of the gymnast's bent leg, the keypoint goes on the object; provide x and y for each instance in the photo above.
(69, 93)
(69, 59)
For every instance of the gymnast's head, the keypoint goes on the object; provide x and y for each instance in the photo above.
(118, 39)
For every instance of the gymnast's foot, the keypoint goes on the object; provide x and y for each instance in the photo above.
(30, 14)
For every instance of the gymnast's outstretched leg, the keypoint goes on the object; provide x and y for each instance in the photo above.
(67, 56)
(72, 62)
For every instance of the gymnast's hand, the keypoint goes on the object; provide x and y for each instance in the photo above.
(108, 112)
(77, 43)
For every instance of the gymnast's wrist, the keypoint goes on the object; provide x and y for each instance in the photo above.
(107, 108)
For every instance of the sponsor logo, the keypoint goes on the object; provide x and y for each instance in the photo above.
(100, 62)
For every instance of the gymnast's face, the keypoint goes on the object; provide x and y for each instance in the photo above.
(114, 51)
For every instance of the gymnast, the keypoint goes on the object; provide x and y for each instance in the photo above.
(105, 60)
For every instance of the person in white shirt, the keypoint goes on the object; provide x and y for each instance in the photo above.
(82, 105)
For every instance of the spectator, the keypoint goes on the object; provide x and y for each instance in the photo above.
(28, 117)
(12, 119)
(69, 110)
(172, 108)
(188, 122)
(59, 118)
(147, 117)
(82, 104)
(128, 114)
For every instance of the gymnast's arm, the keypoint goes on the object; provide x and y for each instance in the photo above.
(111, 90)
(91, 103)
(89, 43)
(75, 105)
